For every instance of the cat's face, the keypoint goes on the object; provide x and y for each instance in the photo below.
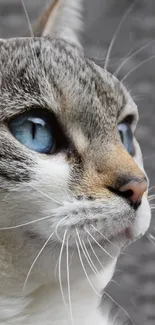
(67, 149)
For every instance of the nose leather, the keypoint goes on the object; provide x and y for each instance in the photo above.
(134, 190)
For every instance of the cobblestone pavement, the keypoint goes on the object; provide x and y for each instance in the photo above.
(102, 17)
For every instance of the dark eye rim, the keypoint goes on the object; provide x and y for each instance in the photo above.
(62, 142)
(129, 119)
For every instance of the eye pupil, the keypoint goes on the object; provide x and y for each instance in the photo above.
(33, 130)
(121, 135)
(126, 137)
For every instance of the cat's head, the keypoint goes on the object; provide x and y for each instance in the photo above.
(71, 170)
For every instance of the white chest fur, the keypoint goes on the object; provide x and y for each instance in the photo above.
(45, 306)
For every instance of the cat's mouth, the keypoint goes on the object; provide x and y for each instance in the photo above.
(126, 234)
(129, 233)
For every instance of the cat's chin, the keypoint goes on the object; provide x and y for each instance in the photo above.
(140, 224)
(137, 229)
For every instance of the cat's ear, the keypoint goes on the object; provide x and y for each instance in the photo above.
(62, 19)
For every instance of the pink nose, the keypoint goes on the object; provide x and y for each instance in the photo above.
(134, 191)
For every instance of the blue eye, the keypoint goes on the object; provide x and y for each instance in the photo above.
(34, 131)
(126, 137)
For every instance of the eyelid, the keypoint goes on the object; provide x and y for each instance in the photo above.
(32, 109)
(129, 114)
(129, 119)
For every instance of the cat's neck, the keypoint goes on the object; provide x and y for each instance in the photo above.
(46, 306)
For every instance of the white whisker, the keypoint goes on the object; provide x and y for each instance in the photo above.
(56, 267)
(124, 58)
(104, 236)
(68, 283)
(126, 313)
(133, 302)
(151, 197)
(131, 56)
(26, 223)
(100, 262)
(27, 17)
(95, 254)
(6, 196)
(151, 239)
(115, 282)
(147, 157)
(82, 264)
(35, 260)
(58, 224)
(115, 34)
(44, 194)
(59, 271)
(71, 257)
(138, 66)
(88, 259)
(104, 250)
(152, 187)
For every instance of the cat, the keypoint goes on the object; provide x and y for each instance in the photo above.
(73, 188)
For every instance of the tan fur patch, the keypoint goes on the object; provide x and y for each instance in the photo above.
(117, 165)
(80, 141)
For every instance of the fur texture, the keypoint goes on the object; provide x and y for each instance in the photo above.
(62, 222)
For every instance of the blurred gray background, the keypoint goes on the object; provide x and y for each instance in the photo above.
(135, 273)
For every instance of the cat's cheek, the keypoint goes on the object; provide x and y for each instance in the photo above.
(52, 176)
(142, 221)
